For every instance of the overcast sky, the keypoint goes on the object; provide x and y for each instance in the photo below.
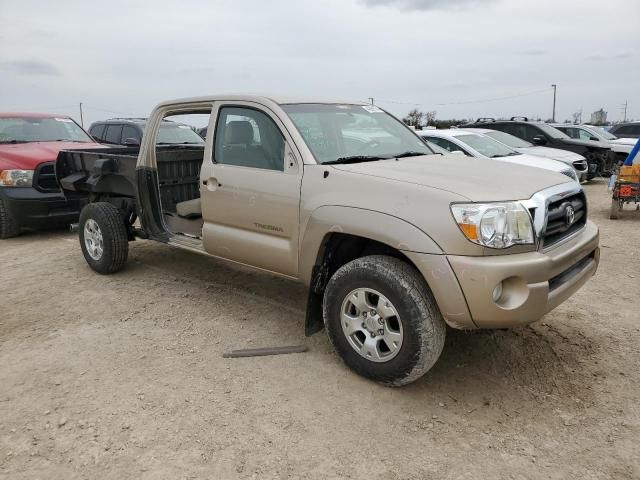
(123, 57)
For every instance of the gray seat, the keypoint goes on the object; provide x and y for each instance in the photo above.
(189, 208)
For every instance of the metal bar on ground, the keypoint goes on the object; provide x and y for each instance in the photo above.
(261, 352)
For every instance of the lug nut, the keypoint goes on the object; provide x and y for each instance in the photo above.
(364, 314)
(380, 321)
(380, 332)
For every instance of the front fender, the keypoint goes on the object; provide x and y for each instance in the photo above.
(370, 224)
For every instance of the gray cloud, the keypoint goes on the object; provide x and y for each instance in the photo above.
(30, 67)
(424, 4)
(533, 52)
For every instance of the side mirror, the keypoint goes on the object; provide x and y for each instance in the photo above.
(595, 139)
(457, 152)
(539, 140)
(95, 139)
(132, 142)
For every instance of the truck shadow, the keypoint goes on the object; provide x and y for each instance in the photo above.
(546, 360)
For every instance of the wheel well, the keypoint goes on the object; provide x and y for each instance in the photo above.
(337, 250)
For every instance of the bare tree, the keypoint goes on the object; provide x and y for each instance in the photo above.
(415, 118)
(430, 117)
(577, 117)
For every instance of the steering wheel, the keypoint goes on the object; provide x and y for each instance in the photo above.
(370, 144)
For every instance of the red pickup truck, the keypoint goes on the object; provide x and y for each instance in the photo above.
(30, 197)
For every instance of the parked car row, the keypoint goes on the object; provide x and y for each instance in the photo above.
(480, 144)
(600, 159)
(29, 145)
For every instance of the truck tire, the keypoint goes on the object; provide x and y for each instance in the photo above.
(103, 237)
(383, 320)
(8, 226)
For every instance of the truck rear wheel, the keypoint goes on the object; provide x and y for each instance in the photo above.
(383, 320)
(103, 237)
(8, 226)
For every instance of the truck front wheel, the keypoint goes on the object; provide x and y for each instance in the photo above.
(8, 226)
(383, 320)
(103, 237)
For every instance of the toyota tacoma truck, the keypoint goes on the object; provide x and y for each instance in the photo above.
(393, 242)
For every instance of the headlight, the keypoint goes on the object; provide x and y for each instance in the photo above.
(16, 178)
(494, 225)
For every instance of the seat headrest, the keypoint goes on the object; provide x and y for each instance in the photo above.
(239, 132)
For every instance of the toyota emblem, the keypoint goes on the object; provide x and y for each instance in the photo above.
(570, 215)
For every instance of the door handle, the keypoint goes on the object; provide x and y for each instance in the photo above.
(211, 183)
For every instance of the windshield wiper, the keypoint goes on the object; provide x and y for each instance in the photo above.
(356, 159)
(409, 154)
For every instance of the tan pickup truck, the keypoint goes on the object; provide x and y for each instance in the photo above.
(393, 240)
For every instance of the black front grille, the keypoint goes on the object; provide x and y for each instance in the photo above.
(558, 225)
(44, 178)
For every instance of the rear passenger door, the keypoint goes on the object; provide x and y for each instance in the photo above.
(250, 189)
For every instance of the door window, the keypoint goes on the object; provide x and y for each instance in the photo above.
(446, 144)
(248, 138)
(530, 132)
(628, 130)
(113, 133)
(129, 132)
(97, 132)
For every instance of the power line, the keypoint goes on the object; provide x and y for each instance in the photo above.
(467, 102)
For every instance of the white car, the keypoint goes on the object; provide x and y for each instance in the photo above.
(621, 146)
(578, 162)
(478, 145)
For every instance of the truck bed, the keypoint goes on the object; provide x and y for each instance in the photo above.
(112, 172)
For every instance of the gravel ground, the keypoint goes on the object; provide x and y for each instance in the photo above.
(122, 376)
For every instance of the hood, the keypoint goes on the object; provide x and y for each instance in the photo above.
(583, 143)
(27, 156)
(624, 141)
(552, 153)
(538, 162)
(476, 179)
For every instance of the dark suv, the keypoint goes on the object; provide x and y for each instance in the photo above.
(128, 131)
(626, 130)
(600, 159)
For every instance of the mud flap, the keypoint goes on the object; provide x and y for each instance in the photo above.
(313, 321)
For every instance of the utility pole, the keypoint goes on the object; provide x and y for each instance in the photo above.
(555, 88)
(81, 118)
(371, 99)
(625, 105)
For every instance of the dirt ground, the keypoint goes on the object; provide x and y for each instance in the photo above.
(122, 376)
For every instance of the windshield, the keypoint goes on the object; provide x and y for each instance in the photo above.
(486, 146)
(176, 133)
(34, 129)
(601, 132)
(509, 140)
(334, 132)
(551, 131)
